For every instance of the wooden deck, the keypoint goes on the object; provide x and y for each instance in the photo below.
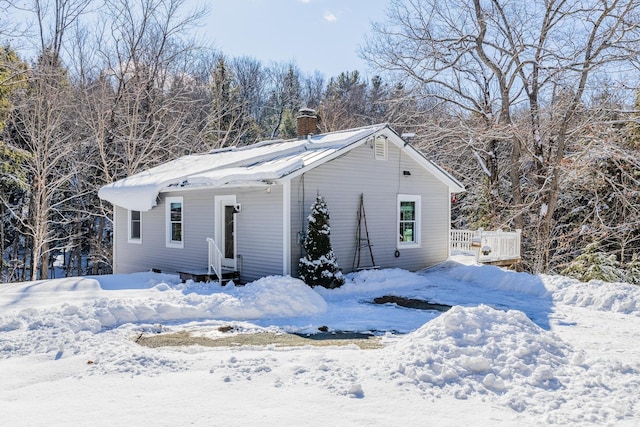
(490, 247)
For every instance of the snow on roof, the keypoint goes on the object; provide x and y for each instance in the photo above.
(257, 164)
(251, 165)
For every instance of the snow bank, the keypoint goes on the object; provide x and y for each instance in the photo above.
(145, 280)
(29, 329)
(595, 294)
(76, 332)
(276, 296)
(496, 278)
(504, 356)
(375, 282)
(480, 350)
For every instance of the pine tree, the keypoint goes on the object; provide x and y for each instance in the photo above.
(319, 266)
(632, 270)
(593, 264)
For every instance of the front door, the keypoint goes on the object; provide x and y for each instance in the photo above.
(226, 229)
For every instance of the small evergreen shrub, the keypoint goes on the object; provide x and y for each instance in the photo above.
(319, 266)
(593, 264)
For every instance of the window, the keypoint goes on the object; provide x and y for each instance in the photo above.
(408, 220)
(135, 227)
(175, 221)
(380, 148)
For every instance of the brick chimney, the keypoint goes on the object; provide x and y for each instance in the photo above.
(307, 122)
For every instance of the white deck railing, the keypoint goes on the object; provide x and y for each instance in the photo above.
(489, 246)
(215, 259)
(461, 240)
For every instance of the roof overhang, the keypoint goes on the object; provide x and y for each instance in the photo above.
(443, 176)
(259, 165)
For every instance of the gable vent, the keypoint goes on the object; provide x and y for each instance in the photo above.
(380, 148)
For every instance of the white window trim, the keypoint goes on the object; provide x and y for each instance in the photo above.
(135, 240)
(418, 213)
(173, 243)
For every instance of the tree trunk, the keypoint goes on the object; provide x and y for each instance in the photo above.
(44, 261)
(514, 175)
(97, 256)
(1, 240)
(25, 252)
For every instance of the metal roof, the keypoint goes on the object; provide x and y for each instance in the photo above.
(258, 164)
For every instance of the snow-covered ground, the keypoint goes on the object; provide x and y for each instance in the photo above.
(515, 349)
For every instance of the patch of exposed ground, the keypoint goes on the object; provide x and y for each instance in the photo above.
(186, 338)
(411, 303)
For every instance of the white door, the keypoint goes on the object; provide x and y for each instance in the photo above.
(225, 238)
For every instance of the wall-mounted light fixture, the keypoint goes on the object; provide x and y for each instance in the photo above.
(406, 173)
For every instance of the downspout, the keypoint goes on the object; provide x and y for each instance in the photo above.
(286, 228)
(114, 242)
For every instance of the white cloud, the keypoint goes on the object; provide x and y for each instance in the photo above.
(304, 1)
(330, 17)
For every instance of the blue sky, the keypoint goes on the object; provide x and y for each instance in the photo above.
(322, 35)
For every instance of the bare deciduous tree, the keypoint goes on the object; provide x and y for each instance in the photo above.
(40, 128)
(516, 74)
(138, 102)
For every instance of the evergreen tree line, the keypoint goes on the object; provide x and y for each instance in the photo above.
(548, 146)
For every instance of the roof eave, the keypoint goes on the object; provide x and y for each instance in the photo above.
(235, 184)
(443, 176)
(340, 152)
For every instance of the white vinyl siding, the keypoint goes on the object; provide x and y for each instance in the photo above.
(259, 234)
(341, 181)
(153, 253)
(175, 222)
(134, 231)
(409, 215)
(260, 224)
(260, 248)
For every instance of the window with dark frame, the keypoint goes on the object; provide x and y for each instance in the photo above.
(407, 222)
(175, 222)
(135, 225)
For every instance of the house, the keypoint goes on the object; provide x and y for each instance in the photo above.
(244, 209)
